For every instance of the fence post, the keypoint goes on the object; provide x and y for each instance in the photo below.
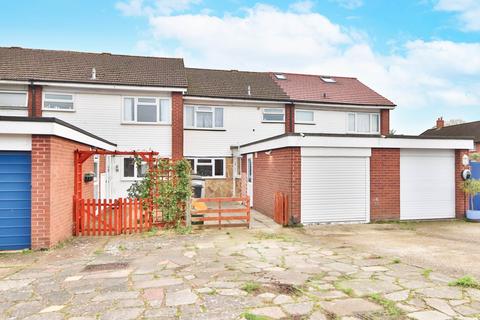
(188, 212)
(248, 211)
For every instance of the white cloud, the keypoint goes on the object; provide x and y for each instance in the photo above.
(423, 77)
(302, 6)
(153, 7)
(468, 12)
(349, 4)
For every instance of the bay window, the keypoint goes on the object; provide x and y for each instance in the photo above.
(362, 122)
(203, 117)
(146, 110)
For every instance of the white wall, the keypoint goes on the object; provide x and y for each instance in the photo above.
(100, 113)
(4, 111)
(242, 124)
(15, 142)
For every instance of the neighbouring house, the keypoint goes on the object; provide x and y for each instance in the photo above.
(323, 141)
(467, 129)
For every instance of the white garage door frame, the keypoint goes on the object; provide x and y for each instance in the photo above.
(427, 184)
(347, 202)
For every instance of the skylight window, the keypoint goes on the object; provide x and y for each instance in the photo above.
(328, 79)
(280, 76)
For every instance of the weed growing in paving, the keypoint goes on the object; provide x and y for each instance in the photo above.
(396, 261)
(251, 287)
(426, 273)
(273, 236)
(466, 282)
(251, 316)
(389, 305)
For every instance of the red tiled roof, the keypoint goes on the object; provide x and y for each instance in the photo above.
(311, 88)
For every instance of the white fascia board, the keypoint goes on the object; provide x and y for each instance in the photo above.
(51, 128)
(108, 86)
(340, 106)
(14, 82)
(335, 152)
(357, 142)
(20, 142)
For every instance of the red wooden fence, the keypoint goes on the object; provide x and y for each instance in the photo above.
(110, 217)
(234, 212)
(281, 209)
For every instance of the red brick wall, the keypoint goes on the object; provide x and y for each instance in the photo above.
(461, 200)
(52, 189)
(277, 172)
(384, 122)
(177, 125)
(34, 105)
(289, 118)
(385, 184)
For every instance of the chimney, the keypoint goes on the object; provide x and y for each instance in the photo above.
(440, 123)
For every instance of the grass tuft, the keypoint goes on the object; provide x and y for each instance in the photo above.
(251, 286)
(390, 307)
(251, 316)
(396, 261)
(426, 273)
(466, 282)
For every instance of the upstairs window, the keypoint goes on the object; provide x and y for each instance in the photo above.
(15, 99)
(208, 167)
(146, 110)
(304, 116)
(361, 122)
(273, 115)
(58, 101)
(203, 117)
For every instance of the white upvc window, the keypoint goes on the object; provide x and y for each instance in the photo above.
(132, 170)
(146, 110)
(13, 99)
(304, 116)
(208, 167)
(200, 117)
(54, 101)
(273, 114)
(362, 122)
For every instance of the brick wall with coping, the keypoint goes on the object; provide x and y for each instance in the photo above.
(52, 189)
(177, 125)
(278, 172)
(385, 184)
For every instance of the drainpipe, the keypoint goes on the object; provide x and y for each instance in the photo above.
(32, 87)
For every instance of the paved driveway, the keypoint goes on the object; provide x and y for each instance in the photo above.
(290, 274)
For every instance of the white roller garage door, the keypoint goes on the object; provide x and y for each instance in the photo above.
(335, 189)
(427, 184)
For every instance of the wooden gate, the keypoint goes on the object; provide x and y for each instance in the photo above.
(281, 209)
(111, 217)
(221, 212)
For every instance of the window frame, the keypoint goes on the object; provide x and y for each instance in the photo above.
(371, 117)
(273, 121)
(58, 100)
(16, 107)
(135, 110)
(135, 170)
(212, 163)
(305, 122)
(213, 112)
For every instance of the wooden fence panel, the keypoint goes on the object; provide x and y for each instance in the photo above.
(222, 212)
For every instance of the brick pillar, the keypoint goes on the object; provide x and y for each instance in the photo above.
(34, 101)
(289, 118)
(461, 199)
(177, 125)
(296, 186)
(40, 223)
(384, 122)
(385, 184)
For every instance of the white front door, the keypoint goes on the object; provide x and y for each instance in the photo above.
(250, 177)
(427, 184)
(335, 189)
(96, 175)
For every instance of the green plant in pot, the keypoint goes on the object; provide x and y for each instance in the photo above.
(472, 188)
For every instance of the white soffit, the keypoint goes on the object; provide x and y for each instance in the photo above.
(357, 142)
(51, 128)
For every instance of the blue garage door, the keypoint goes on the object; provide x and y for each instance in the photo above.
(15, 200)
(476, 175)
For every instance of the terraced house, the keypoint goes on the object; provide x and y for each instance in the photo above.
(323, 141)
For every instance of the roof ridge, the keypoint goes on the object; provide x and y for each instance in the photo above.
(226, 70)
(458, 124)
(92, 53)
(312, 75)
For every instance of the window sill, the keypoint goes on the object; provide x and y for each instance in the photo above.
(13, 108)
(306, 123)
(58, 110)
(214, 178)
(146, 123)
(362, 133)
(126, 179)
(204, 129)
(274, 122)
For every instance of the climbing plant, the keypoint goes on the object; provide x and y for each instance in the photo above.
(168, 186)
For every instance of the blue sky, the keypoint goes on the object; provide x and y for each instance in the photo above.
(422, 54)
